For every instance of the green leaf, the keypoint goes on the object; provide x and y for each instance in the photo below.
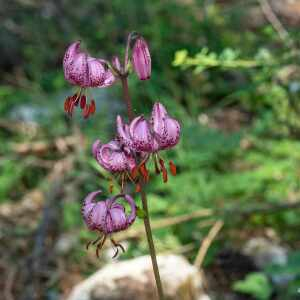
(255, 284)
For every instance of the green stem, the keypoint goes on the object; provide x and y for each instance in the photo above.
(144, 203)
(151, 245)
(127, 98)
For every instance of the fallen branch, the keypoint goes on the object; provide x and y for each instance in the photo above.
(207, 242)
(275, 22)
(61, 144)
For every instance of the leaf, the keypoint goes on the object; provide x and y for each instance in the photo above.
(255, 284)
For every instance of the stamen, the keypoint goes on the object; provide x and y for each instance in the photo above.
(157, 170)
(82, 101)
(100, 245)
(122, 182)
(111, 186)
(117, 245)
(67, 104)
(71, 108)
(164, 170)
(92, 107)
(144, 172)
(86, 111)
(134, 172)
(116, 253)
(138, 188)
(172, 168)
(93, 242)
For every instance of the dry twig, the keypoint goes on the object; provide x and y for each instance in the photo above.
(207, 242)
(275, 22)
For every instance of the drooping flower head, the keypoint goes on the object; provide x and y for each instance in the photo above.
(160, 133)
(107, 217)
(115, 158)
(84, 71)
(141, 59)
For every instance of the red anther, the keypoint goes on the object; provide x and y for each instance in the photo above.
(134, 172)
(82, 101)
(71, 108)
(67, 104)
(92, 107)
(144, 172)
(76, 101)
(138, 188)
(86, 111)
(74, 97)
(164, 170)
(172, 168)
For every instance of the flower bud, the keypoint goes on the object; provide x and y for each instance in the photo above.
(141, 59)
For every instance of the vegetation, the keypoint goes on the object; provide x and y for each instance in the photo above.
(232, 80)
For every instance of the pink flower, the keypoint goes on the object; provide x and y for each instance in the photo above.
(107, 217)
(162, 132)
(141, 59)
(149, 137)
(166, 130)
(113, 157)
(86, 72)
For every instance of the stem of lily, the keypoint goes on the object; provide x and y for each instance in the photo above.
(144, 202)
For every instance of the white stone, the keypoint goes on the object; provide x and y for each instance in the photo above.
(134, 280)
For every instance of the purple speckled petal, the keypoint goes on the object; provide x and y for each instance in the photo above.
(141, 59)
(69, 56)
(83, 70)
(95, 147)
(117, 64)
(77, 71)
(118, 219)
(111, 157)
(97, 217)
(123, 132)
(108, 79)
(93, 211)
(171, 136)
(142, 140)
(158, 116)
(96, 72)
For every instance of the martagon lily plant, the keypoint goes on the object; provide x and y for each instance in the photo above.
(136, 143)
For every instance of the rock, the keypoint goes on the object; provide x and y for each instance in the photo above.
(265, 252)
(134, 280)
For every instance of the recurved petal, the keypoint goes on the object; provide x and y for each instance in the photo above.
(171, 134)
(96, 72)
(118, 218)
(131, 217)
(95, 147)
(139, 130)
(123, 132)
(116, 64)
(108, 79)
(70, 53)
(158, 116)
(88, 205)
(97, 217)
(78, 71)
(111, 157)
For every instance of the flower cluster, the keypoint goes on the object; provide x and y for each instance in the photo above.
(127, 155)
(85, 71)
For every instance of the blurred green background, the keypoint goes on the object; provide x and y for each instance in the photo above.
(220, 67)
